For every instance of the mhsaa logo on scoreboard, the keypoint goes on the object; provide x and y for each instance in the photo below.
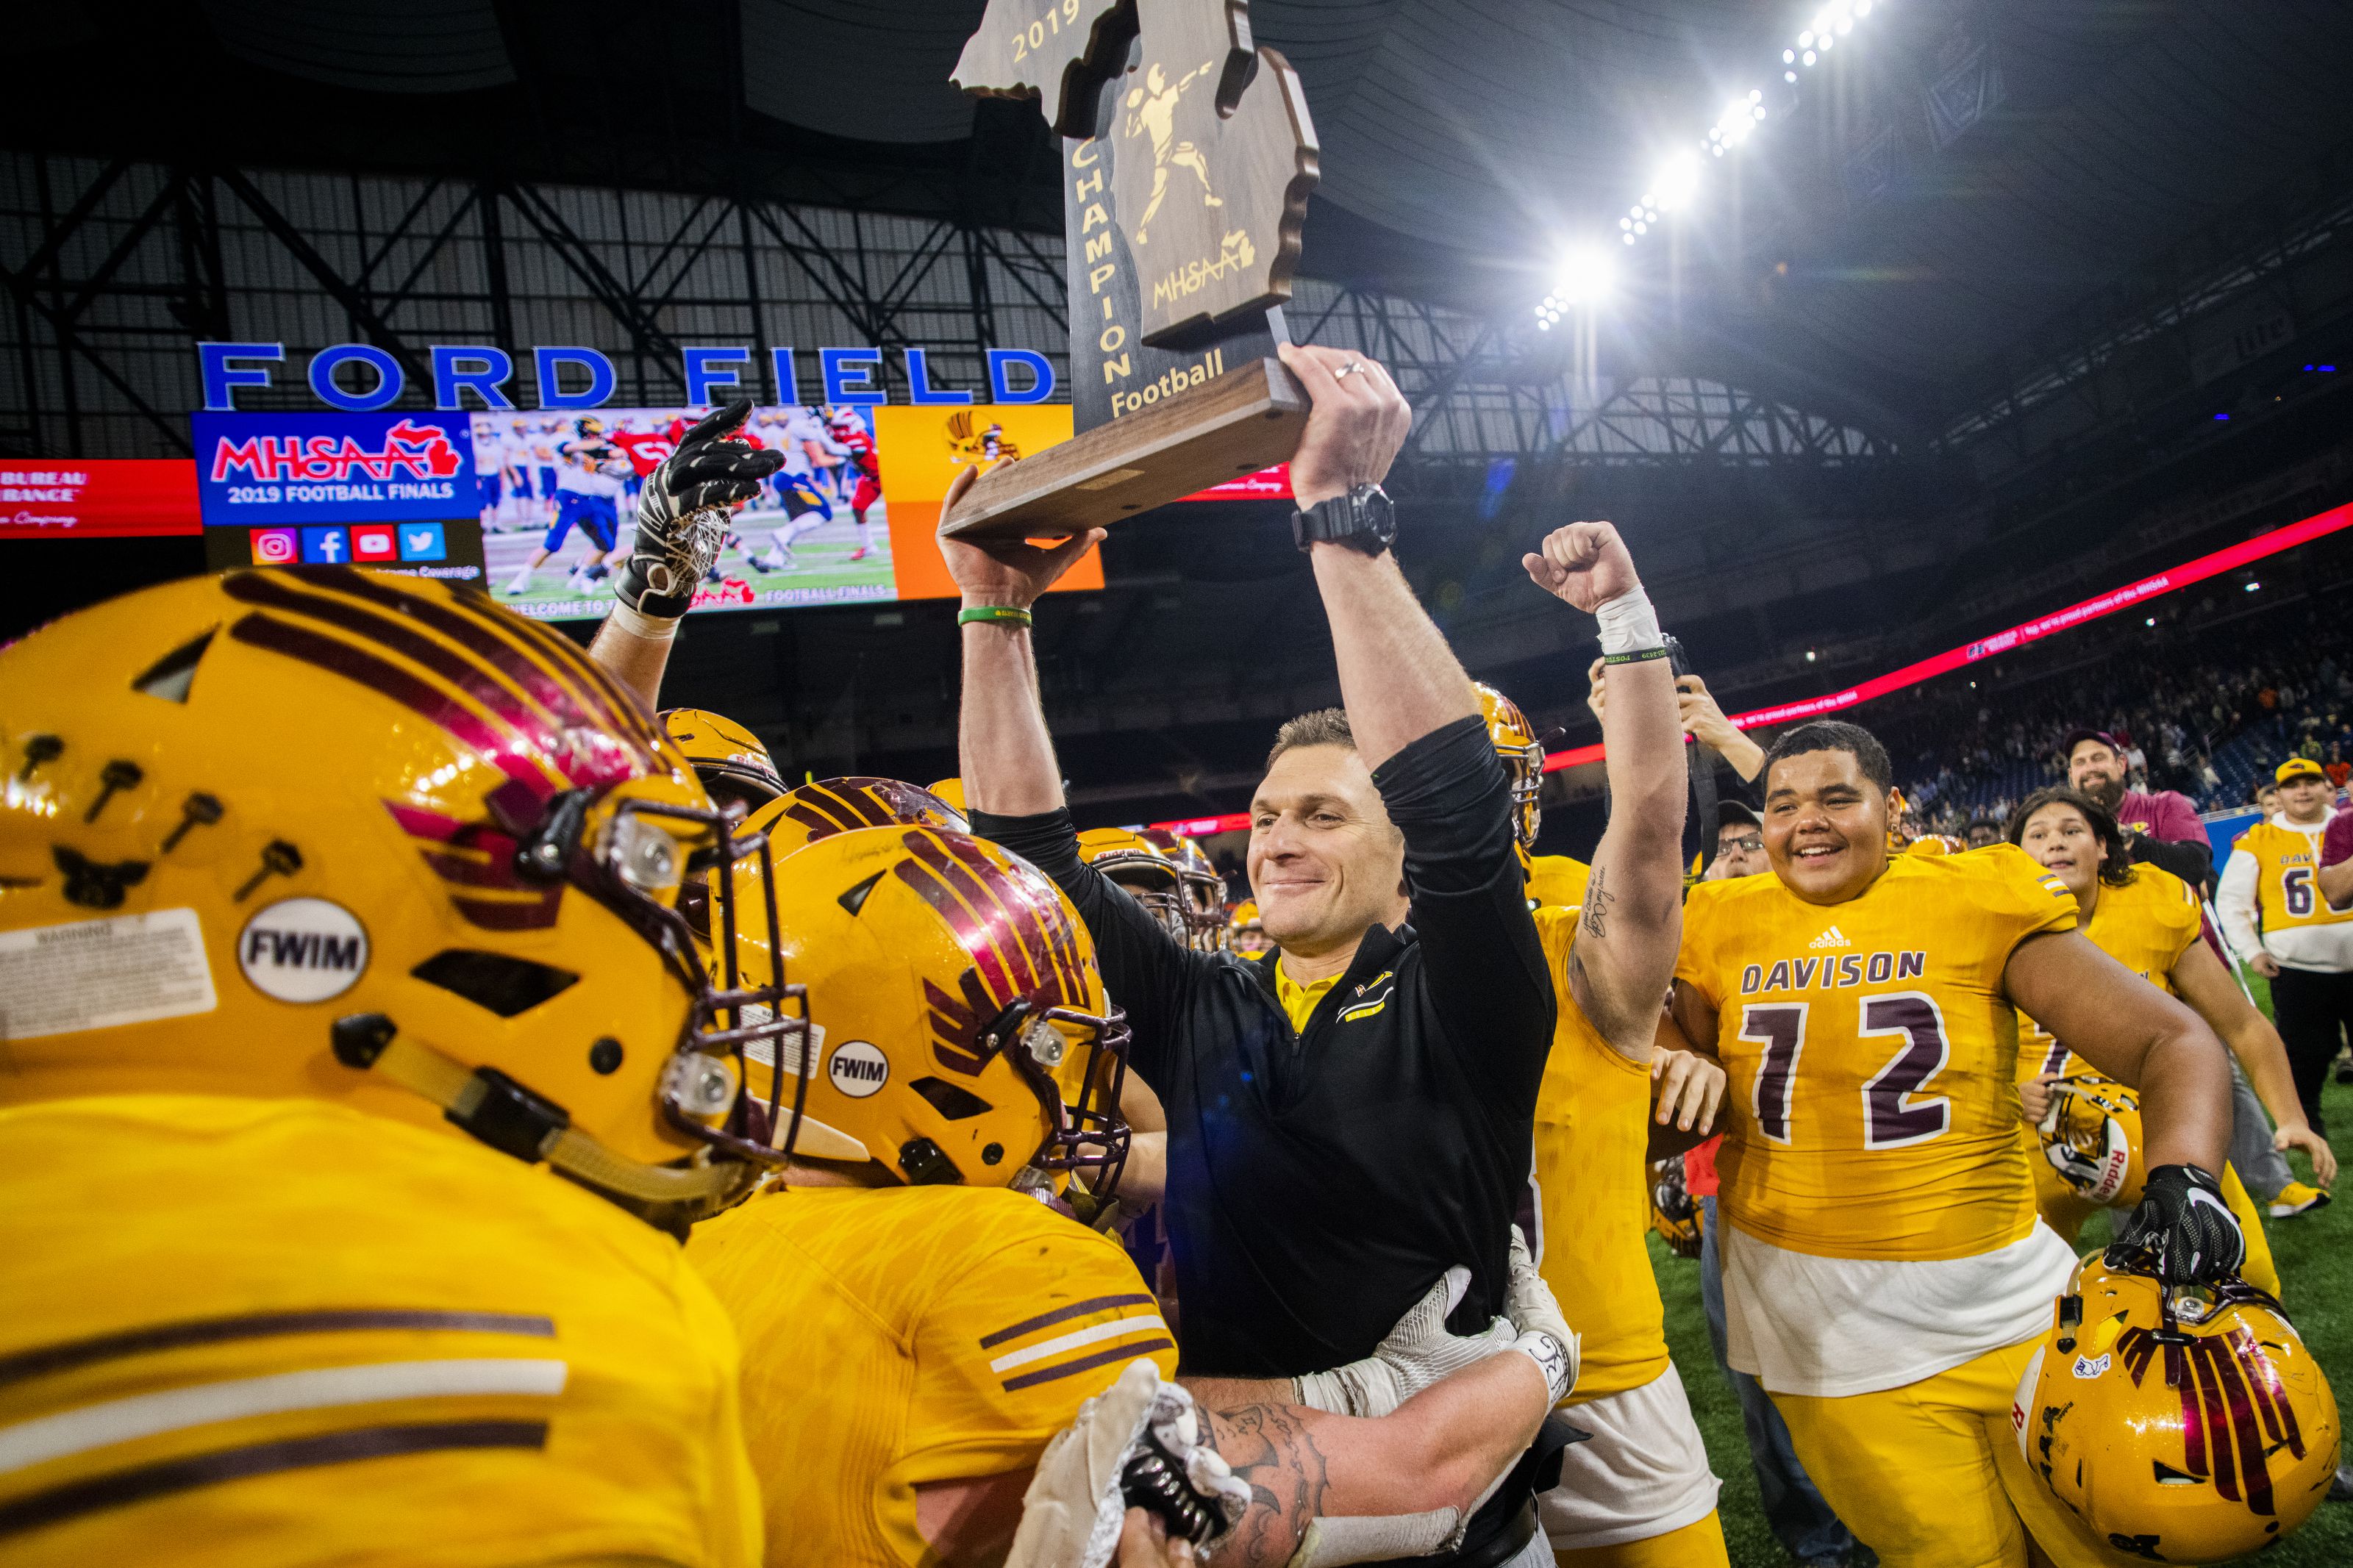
(261, 468)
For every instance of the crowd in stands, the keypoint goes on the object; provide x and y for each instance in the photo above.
(2211, 690)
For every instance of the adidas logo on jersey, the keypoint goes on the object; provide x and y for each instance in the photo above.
(1831, 938)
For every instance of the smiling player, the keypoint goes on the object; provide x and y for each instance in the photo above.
(1885, 1275)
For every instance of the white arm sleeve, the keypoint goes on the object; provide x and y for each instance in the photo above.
(2235, 902)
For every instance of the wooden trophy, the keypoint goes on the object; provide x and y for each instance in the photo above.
(1187, 161)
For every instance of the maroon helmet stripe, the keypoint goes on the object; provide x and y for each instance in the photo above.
(2246, 1424)
(2222, 1456)
(419, 823)
(509, 640)
(964, 923)
(354, 664)
(835, 809)
(536, 916)
(878, 812)
(1035, 947)
(503, 701)
(1005, 925)
(496, 873)
(819, 824)
(503, 642)
(2263, 1376)
(1042, 913)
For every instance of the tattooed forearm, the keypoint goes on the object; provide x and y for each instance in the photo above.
(1597, 900)
(1270, 1449)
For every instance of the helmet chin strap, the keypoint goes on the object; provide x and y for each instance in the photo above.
(513, 1120)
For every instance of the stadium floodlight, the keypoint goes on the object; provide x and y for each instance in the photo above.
(1588, 274)
(1677, 181)
(1789, 76)
(1809, 57)
(1789, 57)
(1806, 39)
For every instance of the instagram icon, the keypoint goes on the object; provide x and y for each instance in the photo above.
(275, 546)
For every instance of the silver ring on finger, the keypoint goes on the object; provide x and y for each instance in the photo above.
(1351, 368)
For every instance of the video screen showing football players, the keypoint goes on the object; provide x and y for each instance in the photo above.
(560, 498)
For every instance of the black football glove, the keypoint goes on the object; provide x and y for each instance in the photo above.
(683, 509)
(2183, 1228)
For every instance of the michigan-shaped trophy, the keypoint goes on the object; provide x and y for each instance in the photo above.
(1187, 157)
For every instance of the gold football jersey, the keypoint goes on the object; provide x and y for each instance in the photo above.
(899, 1335)
(2286, 861)
(1872, 1053)
(1558, 881)
(2146, 925)
(1593, 1193)
(265, 1333)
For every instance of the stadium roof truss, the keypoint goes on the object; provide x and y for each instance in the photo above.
(114, 269)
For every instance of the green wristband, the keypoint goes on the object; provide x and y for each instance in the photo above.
(1640, 655)
(999, 615)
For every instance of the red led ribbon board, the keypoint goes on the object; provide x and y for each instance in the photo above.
(2018, 637)
(57, 498)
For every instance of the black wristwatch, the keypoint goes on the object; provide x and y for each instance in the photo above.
(1365, 519)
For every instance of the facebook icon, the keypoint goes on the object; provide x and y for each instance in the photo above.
(326, 546)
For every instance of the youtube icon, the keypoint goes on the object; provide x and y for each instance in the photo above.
(374, 541)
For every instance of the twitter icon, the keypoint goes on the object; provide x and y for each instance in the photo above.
(423, 541)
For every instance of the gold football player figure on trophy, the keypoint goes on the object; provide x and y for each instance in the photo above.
(1155, 113)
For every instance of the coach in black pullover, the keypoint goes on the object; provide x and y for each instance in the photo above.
(1318, 1182)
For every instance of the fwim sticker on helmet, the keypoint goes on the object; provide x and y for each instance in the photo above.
(99, 975)
(858, 1069)
(303, 950)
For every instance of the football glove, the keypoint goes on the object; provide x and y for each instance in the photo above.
(683, 509)
(1416, 1354)
(1545, 1336)
(1138, 1443)
(2183, 1228)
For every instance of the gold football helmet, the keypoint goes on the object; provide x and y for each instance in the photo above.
(2183, 1425)
(1523, 757)
(809, 811)
(950, 790)
(375, 841)
(958, 1029)
(1203, 888)
(1674, 1212)
(729, 759)
(1245, 932)
(1155, 871)
(2091, 1135)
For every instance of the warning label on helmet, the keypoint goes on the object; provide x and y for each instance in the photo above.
(99, 975)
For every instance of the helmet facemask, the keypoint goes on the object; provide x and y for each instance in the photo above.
(1076, 1064)
(634, 857)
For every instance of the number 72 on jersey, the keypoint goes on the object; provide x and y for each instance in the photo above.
(1896, 1114)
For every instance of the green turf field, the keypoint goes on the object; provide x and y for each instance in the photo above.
(2315, 1264)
